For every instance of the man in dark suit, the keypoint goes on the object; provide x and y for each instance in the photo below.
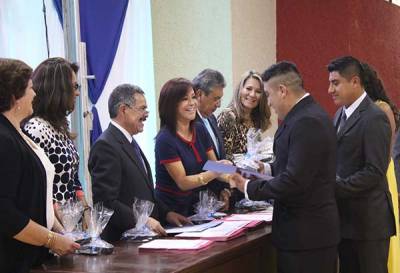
(305, 226)
(119, 169)
(209, 87)
(363, 152)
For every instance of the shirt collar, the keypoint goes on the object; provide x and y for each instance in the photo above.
(350, 110)
(125, 132)
(303, 97)
(200, 115)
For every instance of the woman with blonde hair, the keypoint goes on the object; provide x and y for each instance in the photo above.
(248, 109)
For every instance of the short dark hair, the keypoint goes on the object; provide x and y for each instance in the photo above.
(55, 92)
(172, 92)
(287, 69)
(347, 67)
(208, 79)
(122, 94)
(14, 79)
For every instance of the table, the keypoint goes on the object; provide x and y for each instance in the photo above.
(250, 253)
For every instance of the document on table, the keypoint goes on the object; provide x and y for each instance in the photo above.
(230, 169)
(174, 244)
(264, 215)
(193, 228)
(224, 230)
(250, 217)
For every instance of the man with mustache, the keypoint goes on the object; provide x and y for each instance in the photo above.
(209, 87)
(119, 169)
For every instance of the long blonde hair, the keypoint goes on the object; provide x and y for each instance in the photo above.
(260, 115)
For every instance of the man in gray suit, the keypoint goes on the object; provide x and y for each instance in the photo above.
(363, 152)
(209, 87)
(119, 169)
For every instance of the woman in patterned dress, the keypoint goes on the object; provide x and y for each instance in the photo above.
(248, 109)
(56, 87)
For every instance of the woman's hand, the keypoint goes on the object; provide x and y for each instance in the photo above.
(155, 226)
(177, 219)
(225, 161)
(63, 245)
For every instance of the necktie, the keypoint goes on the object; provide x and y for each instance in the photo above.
(343, 119)
(211, 133)
(138, 154)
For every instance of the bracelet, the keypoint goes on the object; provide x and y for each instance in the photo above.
(227, 177)
(87, 208)
(200, 179)
(50, 239)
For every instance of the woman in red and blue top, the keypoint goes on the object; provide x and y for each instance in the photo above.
(182, 148)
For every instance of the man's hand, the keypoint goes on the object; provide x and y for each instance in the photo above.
(177, 219)
(261, 167)
(224, 197)
(155, 226)
(237, 181)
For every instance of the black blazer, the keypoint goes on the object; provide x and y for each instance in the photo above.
(363, 197)
(117, 178)
(305, 211)
(22, 197)
(215, 186)
(214, 126)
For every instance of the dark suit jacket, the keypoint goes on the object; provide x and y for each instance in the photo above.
(117, 178)
(22, 197)
(305, 211)
(215, 186)
(214, 126)
(363, 197)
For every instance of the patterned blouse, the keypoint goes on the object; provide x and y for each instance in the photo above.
(61, 151)
(233, 132)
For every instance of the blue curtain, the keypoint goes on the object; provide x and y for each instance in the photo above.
(101, 27)
(58, 5)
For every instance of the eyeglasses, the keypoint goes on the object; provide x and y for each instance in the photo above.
(76, 86)
(140, 110)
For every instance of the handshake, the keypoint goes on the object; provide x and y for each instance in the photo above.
(237, 176)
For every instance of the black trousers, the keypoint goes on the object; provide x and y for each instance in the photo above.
(320, 260)
(363, 256)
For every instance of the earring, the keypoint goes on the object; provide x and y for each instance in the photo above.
(18, 108)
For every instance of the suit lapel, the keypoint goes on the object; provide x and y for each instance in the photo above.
(214, 126)
(130, 152)
(354, 118)
(336, 118)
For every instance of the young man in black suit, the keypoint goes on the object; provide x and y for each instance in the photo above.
(119, 169)
(363, 152)
(305, 226)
